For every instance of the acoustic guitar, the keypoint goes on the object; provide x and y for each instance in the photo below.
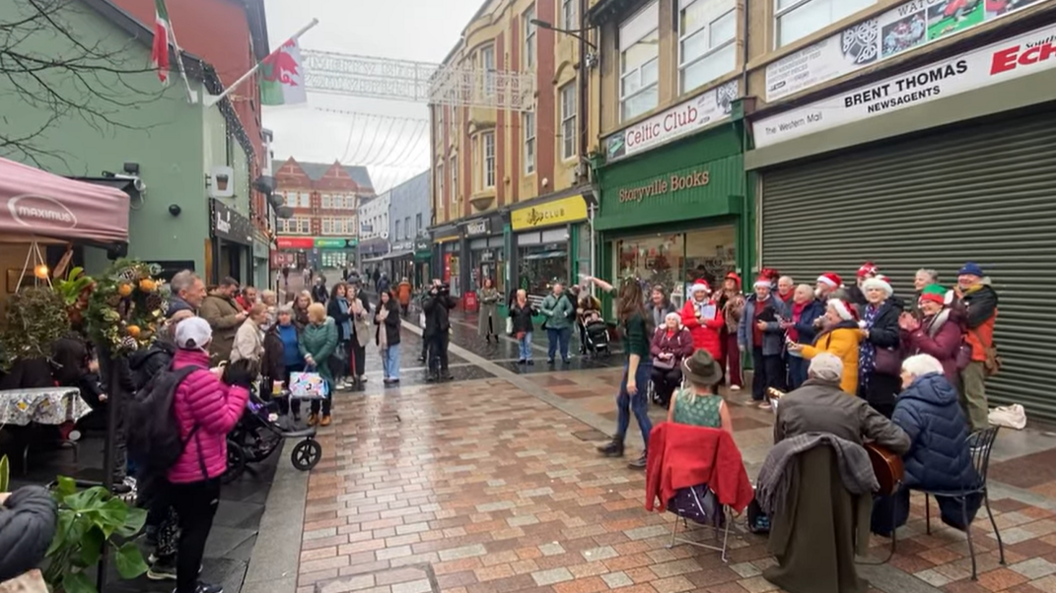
(887, 466)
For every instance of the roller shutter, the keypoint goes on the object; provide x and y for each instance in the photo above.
(983, 192)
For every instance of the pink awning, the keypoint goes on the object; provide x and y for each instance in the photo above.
(35, 202)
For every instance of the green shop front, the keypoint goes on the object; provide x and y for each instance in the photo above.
(317, 252)
(673, 203)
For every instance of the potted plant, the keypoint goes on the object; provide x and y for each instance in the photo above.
(35, 317)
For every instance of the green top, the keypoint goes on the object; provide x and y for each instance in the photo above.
(558, 311)
(697, 410)
(635, 337)
(320, 341)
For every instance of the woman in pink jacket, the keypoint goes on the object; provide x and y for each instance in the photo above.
(206, 409)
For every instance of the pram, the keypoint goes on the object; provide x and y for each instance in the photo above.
(258, 434)
(596, 336)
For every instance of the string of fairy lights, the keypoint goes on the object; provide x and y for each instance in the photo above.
(392, 148)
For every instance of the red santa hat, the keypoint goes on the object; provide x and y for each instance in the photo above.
(764, 281)
(844, 309)
(830, 279)
(698, 285)
(868, 269)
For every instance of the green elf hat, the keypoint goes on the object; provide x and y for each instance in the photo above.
(934, 293)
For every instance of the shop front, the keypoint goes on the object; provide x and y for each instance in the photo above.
(913, 176)
(315, 252)
(485, 249)
(335, 252)
(399, 263)
(545, 241)
(675, 213)
(423, 263)
(231, 245)
(447, 241)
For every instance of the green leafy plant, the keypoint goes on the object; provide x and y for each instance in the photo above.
(88, 521)
(5, 473)
(34, 318)
(126, 306)
(74, 286)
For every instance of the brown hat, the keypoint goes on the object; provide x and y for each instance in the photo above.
(702, 369)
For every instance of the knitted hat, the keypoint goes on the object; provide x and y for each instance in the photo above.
(844, 309)
(733, 276)
(868, 269)
(971, 269)
(700, 284)
(934, 293)
(830, 279)
(702, 369)
(880, 282)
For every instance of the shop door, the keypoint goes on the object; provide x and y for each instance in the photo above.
(985, 192)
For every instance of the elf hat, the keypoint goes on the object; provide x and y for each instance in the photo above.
(699, 285)
(868, 269)
(844, 309)
(933, 293)
(830, 279)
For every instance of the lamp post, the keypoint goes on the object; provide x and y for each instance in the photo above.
(575, 33)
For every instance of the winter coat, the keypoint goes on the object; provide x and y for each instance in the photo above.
(437, 308)
(488, 319)
(805, 330)
(885, 332)
(300, 318)
(403, 293)
(273, 363)
(27, 526)
(320, 294)
(390, 325)
(144, 364)
(733, 310)
(680, 343)
(319, 342)
(660, 313)
(249, 342)
(222, 314)
(361, 318)
(211, 409)
(177, 304)
(559, 311)
(333, 311)
(522, 317)
(841, 341)
(773, 337)
(979, 304)
(705, 332)
(940, 336)
(930, 413)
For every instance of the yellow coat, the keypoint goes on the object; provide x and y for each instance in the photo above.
(843, 343)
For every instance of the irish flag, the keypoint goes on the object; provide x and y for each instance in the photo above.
(282, 76)
(159, 53)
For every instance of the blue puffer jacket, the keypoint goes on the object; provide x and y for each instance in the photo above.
(938, 459)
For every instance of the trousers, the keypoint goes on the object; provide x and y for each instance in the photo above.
(196, 505)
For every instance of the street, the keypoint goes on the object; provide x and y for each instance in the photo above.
(491, 483)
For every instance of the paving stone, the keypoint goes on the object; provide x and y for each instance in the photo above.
(552, 576)
(1035, 568)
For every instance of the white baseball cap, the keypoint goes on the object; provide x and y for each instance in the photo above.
(193, 334)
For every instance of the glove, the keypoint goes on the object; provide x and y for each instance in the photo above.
(240, 373)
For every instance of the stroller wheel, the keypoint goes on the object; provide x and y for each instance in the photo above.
(306, 454)
(236, 463)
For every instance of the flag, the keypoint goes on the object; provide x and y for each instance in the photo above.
(159, 53)
(282, 80)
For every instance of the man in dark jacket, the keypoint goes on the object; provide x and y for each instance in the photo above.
(188, 292)
(977, 302)
(27, 526)
(437, 306)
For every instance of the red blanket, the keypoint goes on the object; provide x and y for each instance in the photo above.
(681, 456)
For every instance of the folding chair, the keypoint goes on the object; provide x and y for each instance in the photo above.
(725, 515)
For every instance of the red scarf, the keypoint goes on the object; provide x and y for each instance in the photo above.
(797, 312)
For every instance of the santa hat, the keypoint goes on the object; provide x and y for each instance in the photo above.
(698, 285)
(844, 309)
(868, 269)
(763, 281)
(880, 282)
(830, 279)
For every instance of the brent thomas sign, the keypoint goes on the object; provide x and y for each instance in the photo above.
(663, 186)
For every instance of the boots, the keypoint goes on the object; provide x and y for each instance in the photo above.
(613, 449)
(641, 462)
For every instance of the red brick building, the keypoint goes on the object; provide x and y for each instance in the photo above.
(323, 231)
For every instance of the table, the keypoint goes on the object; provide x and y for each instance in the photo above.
(45, 405)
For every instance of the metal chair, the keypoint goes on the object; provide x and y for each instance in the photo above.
(723, 531)
(981, 443)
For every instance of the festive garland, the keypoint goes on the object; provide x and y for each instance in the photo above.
(127, 307)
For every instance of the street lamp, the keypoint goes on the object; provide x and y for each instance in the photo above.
(576, 33)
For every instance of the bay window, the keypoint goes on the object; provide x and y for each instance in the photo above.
(707, 30)
(639, 62)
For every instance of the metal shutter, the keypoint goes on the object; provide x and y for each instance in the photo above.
(985, 192)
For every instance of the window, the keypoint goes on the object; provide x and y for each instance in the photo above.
(297, 225)
(639, 53)
(304, 200)
(417, 223)
(440, 182)
(487, 63)
(529, 37)
(407, 231)
(798, 18)
(568, 14)
(455, 194)
(707, 30)
(440, 122)
(327, 202)
(488, 162)
(528, 123)
(397, 231)
(568, 121)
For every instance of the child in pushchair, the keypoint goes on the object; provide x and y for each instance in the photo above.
(595, 333)
(258, 434)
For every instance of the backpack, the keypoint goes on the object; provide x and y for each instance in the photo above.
(153, 435)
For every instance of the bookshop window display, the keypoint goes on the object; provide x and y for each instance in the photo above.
(676, 260)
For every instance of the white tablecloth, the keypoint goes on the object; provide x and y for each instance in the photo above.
(46, 405)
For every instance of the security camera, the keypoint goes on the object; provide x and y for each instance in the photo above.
(137, 182)
(174, 209)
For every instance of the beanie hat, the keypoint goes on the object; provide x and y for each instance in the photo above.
(971, 268)
(733, 276)
(867, 269)
(844, 309)
(880, 282)
(830, 279)
(699, 285)
(934, 293)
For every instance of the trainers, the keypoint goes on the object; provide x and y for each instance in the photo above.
(639, 463)
(162, 569)
(735, 387)
(613, 449)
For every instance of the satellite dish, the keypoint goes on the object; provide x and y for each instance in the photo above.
(284, 212)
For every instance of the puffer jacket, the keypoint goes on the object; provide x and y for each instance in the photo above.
(841, 340)
(679, 343)
(203, 401)
(938, 458)
(705, 332)
(27, 526)
(938, 335)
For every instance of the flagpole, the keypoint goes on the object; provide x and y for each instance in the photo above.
(179, 64)
(211, 100)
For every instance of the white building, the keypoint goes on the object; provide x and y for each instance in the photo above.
(373, 230)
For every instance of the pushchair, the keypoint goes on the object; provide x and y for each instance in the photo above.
(258, 435)
(596, 336)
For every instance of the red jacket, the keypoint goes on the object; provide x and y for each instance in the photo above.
(705, 332)
(682, 456)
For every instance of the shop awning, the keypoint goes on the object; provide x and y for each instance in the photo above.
(545, 255)
(35, 202)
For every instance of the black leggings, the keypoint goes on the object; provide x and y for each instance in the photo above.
(666, 381)
(196, 505)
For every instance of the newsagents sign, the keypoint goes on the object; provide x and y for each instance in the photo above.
(1005, 60)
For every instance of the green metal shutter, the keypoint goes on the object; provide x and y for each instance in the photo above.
(984, 192)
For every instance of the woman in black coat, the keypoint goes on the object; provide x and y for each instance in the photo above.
(879, 355)
(387, 336)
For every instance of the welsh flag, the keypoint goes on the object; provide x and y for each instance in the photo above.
(159, 53)
(282, 76)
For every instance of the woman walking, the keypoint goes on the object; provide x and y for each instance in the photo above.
(387, 337)
(489, 297)
(521, 312)
(317, 344)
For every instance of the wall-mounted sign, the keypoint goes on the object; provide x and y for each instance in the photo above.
(561, 211)
(221, 182)
(229, 225)
(316, 243)
(711, 107)
(894, 32)
(335, 243)
(665, 185)
(477, 227)
(998, 62)
(295, 242)
(421, 246)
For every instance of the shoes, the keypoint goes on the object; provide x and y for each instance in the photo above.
(389, 381)
(313, 419)
(447, 377)
(530, 362)
(735, 387)
(613, 449)
(325, 421)
(639, 463)
(764, 405)
(361, 379)
(566, 360)
(205, 588)
(162, 569)
(432, 379)
(549, 361)
(421, 359)
(522, 361)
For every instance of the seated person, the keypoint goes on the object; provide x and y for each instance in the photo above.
(672, 343)
(928, 410)
(697, 404)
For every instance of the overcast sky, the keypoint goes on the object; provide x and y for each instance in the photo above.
(421, 30)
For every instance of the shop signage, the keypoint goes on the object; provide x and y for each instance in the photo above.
(711, 107)
(998, 62)
(477, 227)
(561, 211)
(316, 243)
(892, 33)
(230, 225)
(295, 242)
(260, 247)
(421, 246)
(664, 186)
(336, 243)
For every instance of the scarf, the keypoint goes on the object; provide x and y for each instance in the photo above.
(797, 314)
(866, 350)
(346, 325)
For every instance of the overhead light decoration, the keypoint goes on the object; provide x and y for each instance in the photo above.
(41, 271)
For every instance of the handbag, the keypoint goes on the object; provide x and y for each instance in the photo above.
(421, 319)
(992, 362)
(509, 326)
(664, 363)
(964, 355)
(888, 362)
(308, 385)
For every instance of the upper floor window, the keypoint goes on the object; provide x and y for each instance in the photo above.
(440, 121)
(797, 19)
(438, 187)
(488, 162)
(568, 14)
(487, 64)
(454, 178)
(397, 231)
(707, 30)
(528, 124)
(568, 120)
(639, 68)
(529, 37)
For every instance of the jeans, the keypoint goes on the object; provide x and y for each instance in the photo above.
(524, 346)
(637, 403)
(558, 336)
(437, 356)
(196, 505)
(390, 359)
(767, 372)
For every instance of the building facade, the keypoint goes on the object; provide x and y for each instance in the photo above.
(323, 231)
(373, 232)
(491, 165)
(412, 249)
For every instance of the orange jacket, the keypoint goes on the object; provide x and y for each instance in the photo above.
(404, 293)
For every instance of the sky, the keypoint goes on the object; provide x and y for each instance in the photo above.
(420, 30)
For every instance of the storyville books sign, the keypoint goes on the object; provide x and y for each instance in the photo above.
(1006, 60)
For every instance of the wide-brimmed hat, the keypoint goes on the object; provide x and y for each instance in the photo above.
(702, 369)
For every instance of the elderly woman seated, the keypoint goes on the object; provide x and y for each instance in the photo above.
(928, 411)
(672, 343)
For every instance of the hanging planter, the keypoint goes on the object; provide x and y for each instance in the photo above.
(127, 307)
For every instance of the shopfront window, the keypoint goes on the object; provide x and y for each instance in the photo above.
(544, 260)
(486, 257)
(334, 259)
(676, 260)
